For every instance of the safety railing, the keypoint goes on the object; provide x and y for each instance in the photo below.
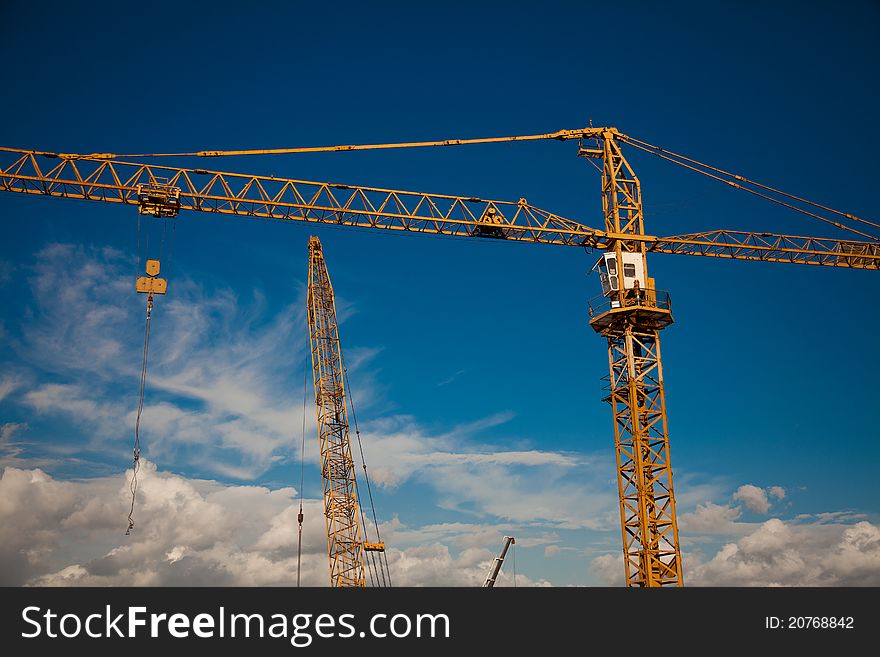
(652, 299)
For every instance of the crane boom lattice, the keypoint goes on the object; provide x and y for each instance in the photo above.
(341, 510)
(282, 199)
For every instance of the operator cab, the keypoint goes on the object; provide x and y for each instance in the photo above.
(628, 295)
(610, 274)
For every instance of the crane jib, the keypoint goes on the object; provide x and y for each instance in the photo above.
(266, 197)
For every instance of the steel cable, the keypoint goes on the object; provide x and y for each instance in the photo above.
(136, 450)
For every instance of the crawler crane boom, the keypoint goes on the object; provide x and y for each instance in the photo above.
(341, 508)
(496, 564)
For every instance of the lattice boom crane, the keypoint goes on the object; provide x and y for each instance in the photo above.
(629, 313)
(341, 505)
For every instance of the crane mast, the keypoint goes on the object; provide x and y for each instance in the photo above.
(630, 317)
(341, 510)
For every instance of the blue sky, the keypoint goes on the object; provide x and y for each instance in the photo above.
(475, 373)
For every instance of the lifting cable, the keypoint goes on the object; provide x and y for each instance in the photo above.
(137, 264)
(514, 565)
(372, 568)
(728, 178)
(383, 556)
(136, 451)
(171, 245)
(302, 475)
(136, 448)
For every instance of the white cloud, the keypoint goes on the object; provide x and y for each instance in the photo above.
(609, 569)
(190, 532)
(753, 497)
(692, 489)
(450, 378)
(8, 430)
(784, 554)
(8, 384)
(460, 535)
(777, 491)
(551, 551)
(176, 554)
(80, 405)
(832, 517)
(532, 541)
(710, 518)
(564, 490)
(64, 532)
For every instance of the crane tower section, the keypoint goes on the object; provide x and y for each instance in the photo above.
(344, 544)
(630, 314)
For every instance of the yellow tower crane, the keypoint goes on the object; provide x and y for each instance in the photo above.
(629, 313)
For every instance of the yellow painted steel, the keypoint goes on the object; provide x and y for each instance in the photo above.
(341, 510)
(631, 325)
(164, 191)
(151, 284)
(581, 133)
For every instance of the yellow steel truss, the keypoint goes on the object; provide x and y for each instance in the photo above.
(269, 197)
(337, 466)
(631, 325)
(647, 502)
